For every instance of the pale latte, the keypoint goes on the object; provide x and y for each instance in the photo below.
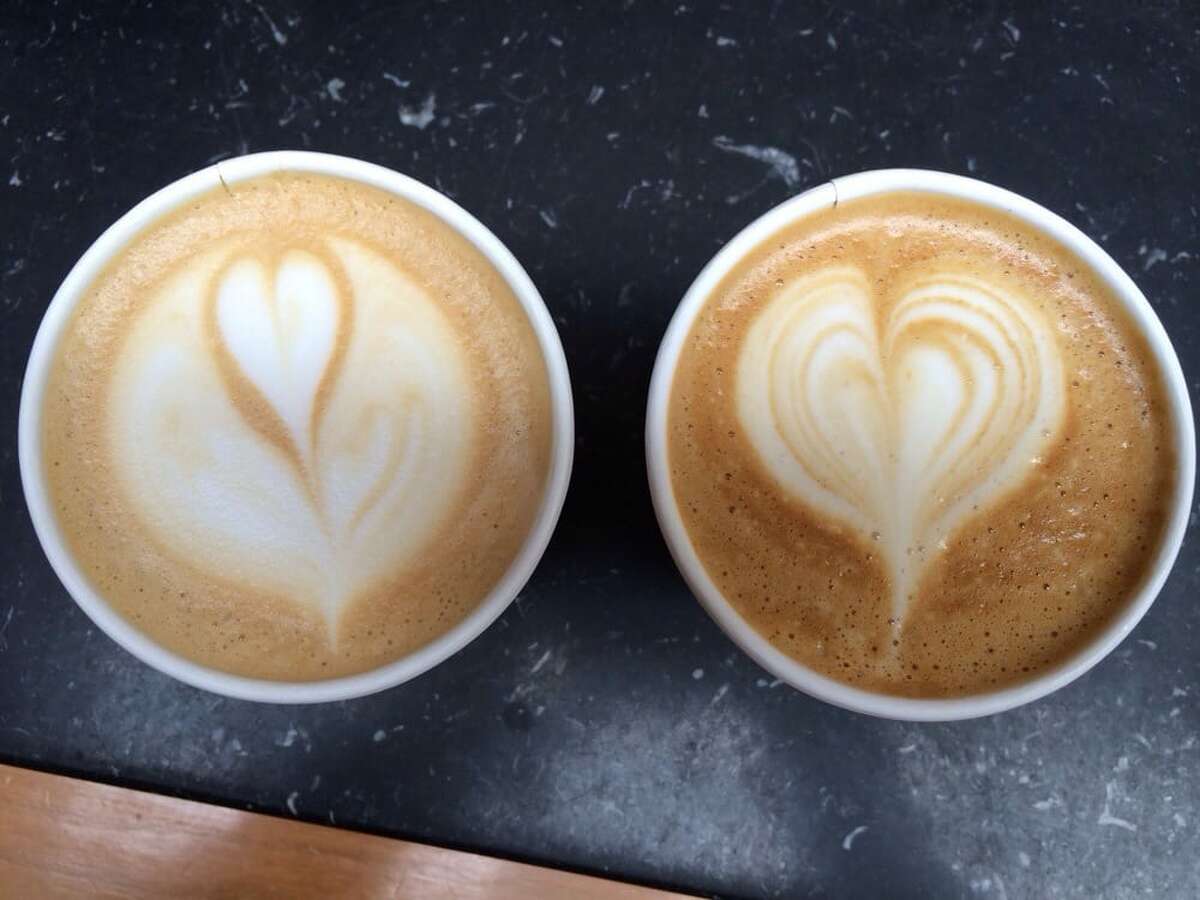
(297, 428)
(919, 446)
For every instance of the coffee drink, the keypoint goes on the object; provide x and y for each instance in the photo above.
(919, 446)
(297, 428)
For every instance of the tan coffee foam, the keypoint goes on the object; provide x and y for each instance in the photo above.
(1024, 581)
(213, 617)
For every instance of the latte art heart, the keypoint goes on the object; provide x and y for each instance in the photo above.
(900, 421)
(918, 445)
(278, 421)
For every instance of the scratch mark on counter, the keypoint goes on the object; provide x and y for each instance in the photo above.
(782, 164)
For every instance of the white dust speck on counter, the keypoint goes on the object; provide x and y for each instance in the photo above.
(289, 738)
(1106, 815)
(984, 885)
(14, 180)
(595, 94)
(1153, 258)
(279, 36)
(333, 87)
(624, 204)
(379, 736)
(848, 840)
(291, 802)
(419, 116)
(697, 674)
(548, 217)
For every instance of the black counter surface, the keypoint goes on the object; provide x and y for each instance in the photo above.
(604, 723)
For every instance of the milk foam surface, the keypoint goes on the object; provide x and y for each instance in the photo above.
(297, 429)
(900, 424)
(919, 446)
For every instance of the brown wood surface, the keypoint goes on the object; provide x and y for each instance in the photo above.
(63, 837)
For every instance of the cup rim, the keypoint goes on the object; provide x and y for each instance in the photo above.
(116, 237)
(772, 659)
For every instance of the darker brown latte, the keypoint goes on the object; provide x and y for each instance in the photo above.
(920, 447)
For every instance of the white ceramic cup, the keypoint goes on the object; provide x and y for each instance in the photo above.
(758, 647)
(116, 238)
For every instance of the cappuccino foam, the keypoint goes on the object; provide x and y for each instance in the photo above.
(919, 446)
(297, 429)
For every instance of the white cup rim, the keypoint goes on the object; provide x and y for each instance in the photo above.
(758, 647)
(114, 239)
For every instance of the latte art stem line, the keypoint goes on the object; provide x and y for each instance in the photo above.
(901, 426)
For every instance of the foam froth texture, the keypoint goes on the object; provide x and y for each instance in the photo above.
(297, 429)
(920, 447)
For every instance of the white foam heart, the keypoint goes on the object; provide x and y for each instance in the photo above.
(900, 426)
(230, 349)
(280, 328)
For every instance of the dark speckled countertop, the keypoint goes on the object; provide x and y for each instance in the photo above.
(604, 723)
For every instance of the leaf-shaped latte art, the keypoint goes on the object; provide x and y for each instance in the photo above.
(900, 428)
(281, 422)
